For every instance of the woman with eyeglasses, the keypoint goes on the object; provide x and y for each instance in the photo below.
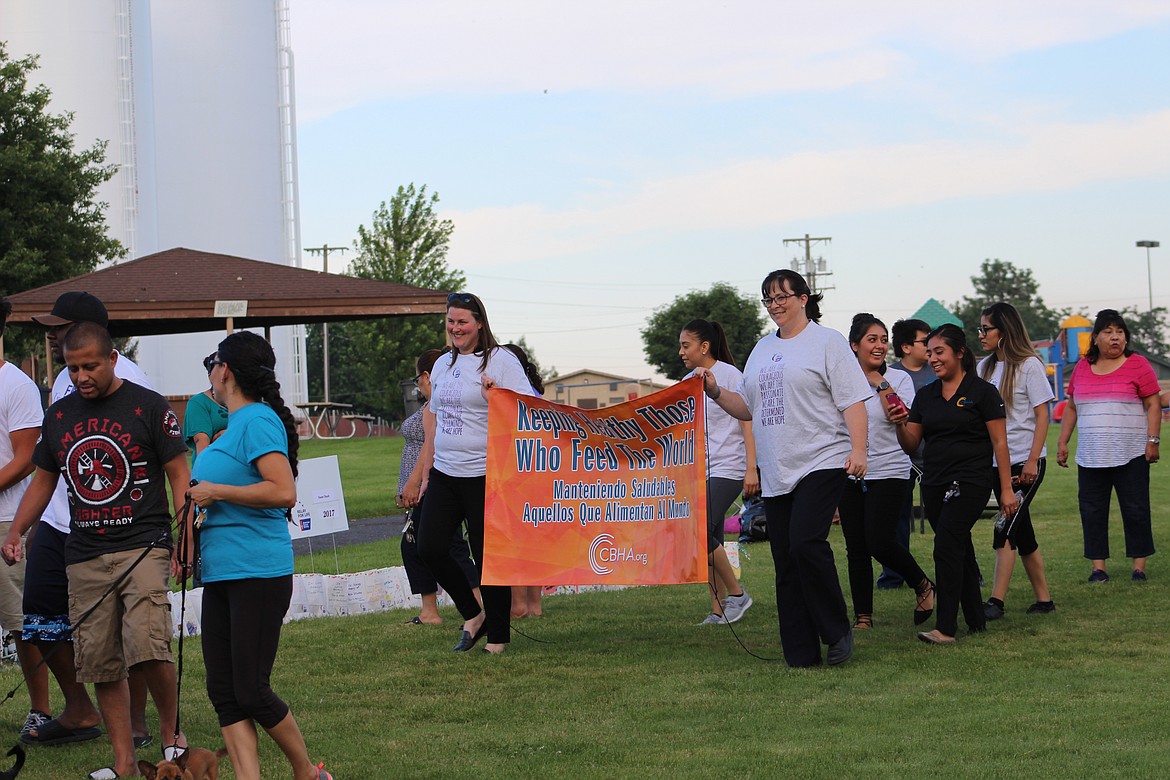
(455, 464)
(805, 395)
(1114, 395)
(871, 508)
(418, 574)
(961, 419)
(1018, 373)
(245, 483)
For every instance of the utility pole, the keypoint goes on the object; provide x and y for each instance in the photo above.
(808, 266)
(324, 252)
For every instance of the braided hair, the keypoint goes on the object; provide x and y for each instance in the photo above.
(253, 364)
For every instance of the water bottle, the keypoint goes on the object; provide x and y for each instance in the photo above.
(1002, 520)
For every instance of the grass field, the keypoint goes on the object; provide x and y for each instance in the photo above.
(623, 684)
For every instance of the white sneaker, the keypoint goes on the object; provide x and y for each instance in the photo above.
(712, 619)
(735, 606)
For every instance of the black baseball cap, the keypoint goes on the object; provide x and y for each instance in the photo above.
(75, 307)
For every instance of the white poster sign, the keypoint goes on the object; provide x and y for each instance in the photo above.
(320, 505)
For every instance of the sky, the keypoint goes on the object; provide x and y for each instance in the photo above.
(600, 159)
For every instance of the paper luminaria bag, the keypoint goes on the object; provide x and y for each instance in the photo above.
(613, 496)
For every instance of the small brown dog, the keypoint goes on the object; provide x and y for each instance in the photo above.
(195, 764)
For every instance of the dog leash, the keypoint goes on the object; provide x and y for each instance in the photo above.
(85, 615)
(184, 542)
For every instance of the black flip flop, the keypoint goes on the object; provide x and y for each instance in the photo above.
(53, 733)
(416, 620)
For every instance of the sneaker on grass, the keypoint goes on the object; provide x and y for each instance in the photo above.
(1041, 608)
(35, 720)
(712, 619)
(735, 606)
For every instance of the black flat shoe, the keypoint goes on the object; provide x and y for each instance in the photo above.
(467, 641)
(841, 650)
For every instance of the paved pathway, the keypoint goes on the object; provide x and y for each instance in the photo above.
(371, 529)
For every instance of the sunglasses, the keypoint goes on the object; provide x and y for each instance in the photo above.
(211, 361)
(461, 299)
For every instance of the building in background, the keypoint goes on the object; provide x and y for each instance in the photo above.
(589, 389)
(196, 102)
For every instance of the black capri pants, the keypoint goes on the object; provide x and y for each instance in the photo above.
(1023, 536)
(241, 631)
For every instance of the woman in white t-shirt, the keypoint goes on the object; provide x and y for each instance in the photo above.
(805, 395)
(870, 507)
(1018, 373)
(731, 463)
(454, 461)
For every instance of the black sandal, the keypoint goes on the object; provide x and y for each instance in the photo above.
(862, 622)
(922, 615)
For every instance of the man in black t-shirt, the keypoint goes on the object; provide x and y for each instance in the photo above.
(115, 443)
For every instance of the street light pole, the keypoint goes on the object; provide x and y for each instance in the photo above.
(1148, 245)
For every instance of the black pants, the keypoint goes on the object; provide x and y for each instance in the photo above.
(955, 568)
(869, 522)
(419, 575)
(809, 602)
(447, 502)
(241, 631)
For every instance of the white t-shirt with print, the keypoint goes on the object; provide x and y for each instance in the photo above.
(1031, 389)
(885, 458)
(797, 389)
(20, 409)
(461, 412)
(726, 451)
(57, 514)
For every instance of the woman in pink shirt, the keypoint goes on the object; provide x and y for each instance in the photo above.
(1114, 395)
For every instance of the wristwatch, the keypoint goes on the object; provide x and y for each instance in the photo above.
(1154, 439)
(883, 386)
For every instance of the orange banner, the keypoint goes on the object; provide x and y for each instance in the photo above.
(614, 496)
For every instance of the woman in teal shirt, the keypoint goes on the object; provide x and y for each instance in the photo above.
(245, 484)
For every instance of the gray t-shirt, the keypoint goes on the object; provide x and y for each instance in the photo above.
(1030, 389)
(797, 389)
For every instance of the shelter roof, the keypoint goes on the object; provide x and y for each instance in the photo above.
(935, 314)
(176, 291)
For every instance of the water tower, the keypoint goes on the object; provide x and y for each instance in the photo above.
(196, 103)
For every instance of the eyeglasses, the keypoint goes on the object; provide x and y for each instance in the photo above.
(420, 376)
(211, 361)
(777, 299)
(919, 341)
(464, 299)
(982, 330)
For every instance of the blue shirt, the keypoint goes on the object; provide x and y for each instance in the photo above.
(239, 542)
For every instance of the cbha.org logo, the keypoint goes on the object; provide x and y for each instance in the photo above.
(603, 552)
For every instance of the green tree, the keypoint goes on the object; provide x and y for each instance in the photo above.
(405, 243)
(740, 316)
(51, 225)
(1148, 329)
(998, 280)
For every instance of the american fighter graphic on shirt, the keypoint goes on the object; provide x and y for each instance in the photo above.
(112, 457)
